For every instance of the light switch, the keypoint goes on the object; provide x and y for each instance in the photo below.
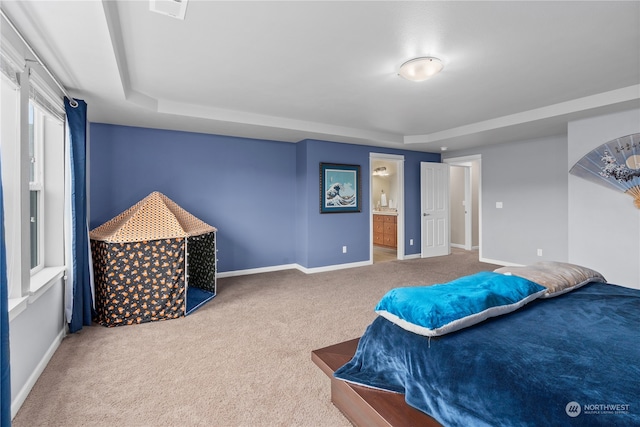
(498, 205)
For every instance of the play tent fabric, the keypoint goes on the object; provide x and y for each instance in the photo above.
(154, 261)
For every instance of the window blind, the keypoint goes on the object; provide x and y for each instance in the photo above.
(41, 94)
(9, 70)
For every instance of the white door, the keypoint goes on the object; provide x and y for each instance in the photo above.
(434, 190)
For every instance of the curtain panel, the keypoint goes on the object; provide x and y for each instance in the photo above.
(5, 366)
(78, 295)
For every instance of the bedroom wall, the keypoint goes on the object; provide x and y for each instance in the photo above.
(243, 187)
(530, 179)
(604, 225)
(35, 335)
(303, 186)
(327, 233)
(263, 196)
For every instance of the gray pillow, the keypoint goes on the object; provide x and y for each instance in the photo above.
(557, 277)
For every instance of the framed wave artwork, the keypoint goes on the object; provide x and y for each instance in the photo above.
(340, 188)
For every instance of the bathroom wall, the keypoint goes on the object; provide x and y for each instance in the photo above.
(388, 184)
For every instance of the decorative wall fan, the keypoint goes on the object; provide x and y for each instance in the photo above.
(614, 164)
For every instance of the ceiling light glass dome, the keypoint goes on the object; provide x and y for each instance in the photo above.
(420, 69)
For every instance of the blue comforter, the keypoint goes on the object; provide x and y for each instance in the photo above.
(569, 360)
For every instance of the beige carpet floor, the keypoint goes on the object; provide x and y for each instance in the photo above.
(243, 359)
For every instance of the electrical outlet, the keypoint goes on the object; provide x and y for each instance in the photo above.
(539, 252)
(410, 242)
(344, 249)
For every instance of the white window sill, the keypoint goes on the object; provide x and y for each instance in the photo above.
(43, 280)
(40, 283)
(17, 306)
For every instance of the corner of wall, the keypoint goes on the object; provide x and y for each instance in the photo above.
(597, 215)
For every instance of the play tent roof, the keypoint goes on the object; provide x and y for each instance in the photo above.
(154, 217)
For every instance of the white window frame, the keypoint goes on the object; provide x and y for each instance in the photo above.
(28, 284)
(13, 177)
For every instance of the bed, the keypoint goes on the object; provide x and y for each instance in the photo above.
(567, 356)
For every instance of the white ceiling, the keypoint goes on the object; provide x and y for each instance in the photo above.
(328, 70)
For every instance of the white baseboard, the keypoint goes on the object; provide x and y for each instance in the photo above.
(497, 262)
(457, 245)
(18, 400)
(257, 270)
(339, 266)
(332, 267)
(324, 268)
(291, 267)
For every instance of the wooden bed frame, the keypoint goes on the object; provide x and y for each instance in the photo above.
(365, 406)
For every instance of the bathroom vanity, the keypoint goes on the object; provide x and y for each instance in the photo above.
(385, 227)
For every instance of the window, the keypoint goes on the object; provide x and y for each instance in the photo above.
(36, 187)
(32, 142)
(46, 176)
(45, 130)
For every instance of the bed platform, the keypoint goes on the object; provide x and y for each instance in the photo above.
(365, 406)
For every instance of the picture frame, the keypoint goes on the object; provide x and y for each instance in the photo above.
(340, 188)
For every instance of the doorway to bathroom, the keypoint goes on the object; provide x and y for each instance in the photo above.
(386, 207)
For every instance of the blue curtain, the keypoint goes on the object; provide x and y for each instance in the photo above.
(82, 310)
(5, 372)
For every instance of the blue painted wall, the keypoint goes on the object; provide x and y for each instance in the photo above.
(325, 234)
(302, 209)
(263, 196)
(243, 187)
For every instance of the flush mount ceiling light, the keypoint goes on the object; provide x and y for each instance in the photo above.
(381, 171)
(420, 69)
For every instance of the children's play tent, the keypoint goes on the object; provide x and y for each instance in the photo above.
(154, 261)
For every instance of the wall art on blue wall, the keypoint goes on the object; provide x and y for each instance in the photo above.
(340, 188)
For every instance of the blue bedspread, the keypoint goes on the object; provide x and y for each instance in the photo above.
(571, 360)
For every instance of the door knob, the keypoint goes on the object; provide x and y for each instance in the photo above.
(425, 214)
